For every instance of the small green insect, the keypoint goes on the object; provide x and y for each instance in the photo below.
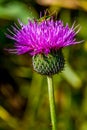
(47, 16)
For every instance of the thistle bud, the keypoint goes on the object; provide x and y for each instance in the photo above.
(49, 64)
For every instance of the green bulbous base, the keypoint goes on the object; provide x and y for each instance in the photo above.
(49, 64)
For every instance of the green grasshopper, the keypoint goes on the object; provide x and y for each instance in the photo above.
(46, 17)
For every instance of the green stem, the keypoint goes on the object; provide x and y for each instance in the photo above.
(52, 102)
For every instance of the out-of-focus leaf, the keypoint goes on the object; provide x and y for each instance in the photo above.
(84, 104)
(23, 72)
(83, 4)
(1, 1)
(15, 10)
(6, 117)
(82, 20)
(72, 4)
(72, 77)
(83, 125)
(4, 114)
(85, 46)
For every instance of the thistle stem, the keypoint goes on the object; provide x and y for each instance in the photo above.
(52, 102)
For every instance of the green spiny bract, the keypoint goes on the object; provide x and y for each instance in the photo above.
(49, 64)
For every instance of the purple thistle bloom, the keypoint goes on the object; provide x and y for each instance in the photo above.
(42, 37)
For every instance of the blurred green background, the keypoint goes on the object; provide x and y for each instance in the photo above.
(24, 103)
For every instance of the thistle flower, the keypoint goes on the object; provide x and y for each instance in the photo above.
(44, 42)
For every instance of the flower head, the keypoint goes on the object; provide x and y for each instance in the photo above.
(42, 37)
(44, 42)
